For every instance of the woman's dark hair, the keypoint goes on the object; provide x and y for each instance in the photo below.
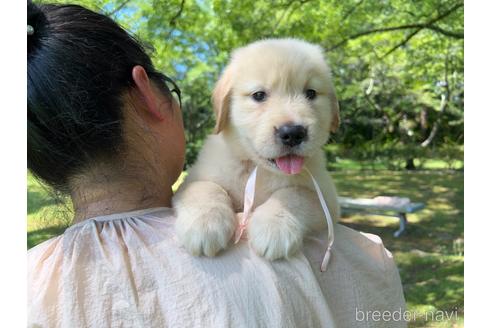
(79, 64)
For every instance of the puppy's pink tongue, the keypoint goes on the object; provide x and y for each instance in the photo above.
(290, 164)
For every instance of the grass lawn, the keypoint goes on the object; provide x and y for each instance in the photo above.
(429, 256)
(47, 214)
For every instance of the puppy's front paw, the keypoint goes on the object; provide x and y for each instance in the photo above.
(207, 232)
(274, 235)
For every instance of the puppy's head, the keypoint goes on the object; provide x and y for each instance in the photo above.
(277, 101)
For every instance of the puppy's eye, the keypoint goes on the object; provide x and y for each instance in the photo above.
(259, 96)
(311, 94)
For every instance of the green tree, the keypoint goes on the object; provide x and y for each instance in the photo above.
(397, 65)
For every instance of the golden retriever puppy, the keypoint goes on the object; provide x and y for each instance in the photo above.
(275, 107)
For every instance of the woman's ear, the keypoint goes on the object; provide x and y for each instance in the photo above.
(221, 99)
(147, 92)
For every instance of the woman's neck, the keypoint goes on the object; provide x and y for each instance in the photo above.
(109, 193)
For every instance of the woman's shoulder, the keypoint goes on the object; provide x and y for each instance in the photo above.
(124, 265)
(93, 240)
(357, 248)
(91, 263)
(361, 274)
(43, 253)
(367, 246)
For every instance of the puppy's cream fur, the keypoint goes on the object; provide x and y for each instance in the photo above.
(286, 206)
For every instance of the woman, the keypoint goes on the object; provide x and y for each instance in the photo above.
(103, 126)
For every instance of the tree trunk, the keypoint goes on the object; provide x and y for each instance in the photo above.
(410, 164)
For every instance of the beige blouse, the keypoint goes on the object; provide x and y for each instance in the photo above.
(127, 270)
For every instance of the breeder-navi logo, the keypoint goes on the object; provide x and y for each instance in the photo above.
(401, 315)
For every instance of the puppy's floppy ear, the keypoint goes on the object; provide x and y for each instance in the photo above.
(221, 99)
(335, 112)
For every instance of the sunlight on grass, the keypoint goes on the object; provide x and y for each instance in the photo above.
(430, 255)
(383, 164)
(179, 181)
(48, 215)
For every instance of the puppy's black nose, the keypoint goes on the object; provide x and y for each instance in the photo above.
(291, 135)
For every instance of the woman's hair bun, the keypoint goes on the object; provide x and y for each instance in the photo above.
(37, 20)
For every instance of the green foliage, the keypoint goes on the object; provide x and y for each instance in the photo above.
(397, 65)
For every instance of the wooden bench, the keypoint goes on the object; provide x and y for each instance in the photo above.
(381, 205)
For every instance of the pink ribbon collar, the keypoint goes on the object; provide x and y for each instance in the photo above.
(249, 196)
